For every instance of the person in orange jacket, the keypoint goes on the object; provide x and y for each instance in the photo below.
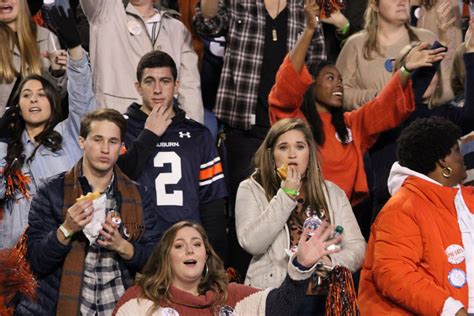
(315, 94)
(420, 258)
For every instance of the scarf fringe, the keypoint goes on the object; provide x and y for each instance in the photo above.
(341, 299)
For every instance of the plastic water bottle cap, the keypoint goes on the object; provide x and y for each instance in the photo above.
(339, 229)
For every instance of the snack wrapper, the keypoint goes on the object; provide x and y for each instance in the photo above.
(92, 229)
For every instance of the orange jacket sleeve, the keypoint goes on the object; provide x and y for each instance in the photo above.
(386, 111)
(286, 95)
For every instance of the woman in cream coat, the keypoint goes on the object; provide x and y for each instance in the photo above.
(270, 211)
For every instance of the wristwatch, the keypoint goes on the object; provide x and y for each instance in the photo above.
(67, 234)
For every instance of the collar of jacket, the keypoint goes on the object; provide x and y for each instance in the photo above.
(438, 195)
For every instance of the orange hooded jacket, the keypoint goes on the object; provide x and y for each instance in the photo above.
(406, 268)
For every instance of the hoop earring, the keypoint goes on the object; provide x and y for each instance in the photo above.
(447, 171)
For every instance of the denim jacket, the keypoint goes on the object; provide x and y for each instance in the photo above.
(47, 163)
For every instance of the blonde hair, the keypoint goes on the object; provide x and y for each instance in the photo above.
(458, 72)
(371, 27)
(25, 40)
(435, 99)
(313, 184)
(157, 276)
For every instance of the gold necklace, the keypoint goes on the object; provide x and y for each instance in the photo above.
(274, 31)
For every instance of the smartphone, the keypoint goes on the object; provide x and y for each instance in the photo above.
(437, 44)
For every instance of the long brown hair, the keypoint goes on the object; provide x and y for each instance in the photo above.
(25, 40)
(314, 186)
(371, 27)
(157, 276)
(49, 138)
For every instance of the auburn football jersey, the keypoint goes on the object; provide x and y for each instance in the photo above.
(185, 169)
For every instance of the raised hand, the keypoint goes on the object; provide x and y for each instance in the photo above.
(337, 19)
(58, 59)
(64, 26)
(7, 121)
(446, 16)
(312, 11)
(420, 56)
(312, 247)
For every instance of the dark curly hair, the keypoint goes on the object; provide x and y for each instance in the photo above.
(425, 141)
(311, 113)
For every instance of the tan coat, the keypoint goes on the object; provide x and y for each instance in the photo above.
(262, 231)
(363, 78)
(115, 53)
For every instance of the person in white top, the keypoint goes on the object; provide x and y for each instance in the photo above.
(120, 35)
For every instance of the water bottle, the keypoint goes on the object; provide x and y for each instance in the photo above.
(337, 232)
(312, 222)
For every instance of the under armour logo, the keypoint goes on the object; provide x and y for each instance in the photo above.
(182, 134)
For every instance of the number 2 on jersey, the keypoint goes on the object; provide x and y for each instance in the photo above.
(164, 178)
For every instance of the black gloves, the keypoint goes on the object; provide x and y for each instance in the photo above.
(64, 26)
(7, 121)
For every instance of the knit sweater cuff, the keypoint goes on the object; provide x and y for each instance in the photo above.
(298, 274)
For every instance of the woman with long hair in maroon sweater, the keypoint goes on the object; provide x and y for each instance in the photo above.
(184, 275)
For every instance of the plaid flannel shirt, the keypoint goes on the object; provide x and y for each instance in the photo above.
(243, 22)
(102, 283)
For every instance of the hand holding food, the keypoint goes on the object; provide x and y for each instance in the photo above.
(91, 196)
(291, 180)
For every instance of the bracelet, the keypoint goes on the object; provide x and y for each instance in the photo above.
(404, 70)
(345, 29)
(67, 234)
(291, 192)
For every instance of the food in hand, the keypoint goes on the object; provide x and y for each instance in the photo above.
(91, 196)
(283, 171)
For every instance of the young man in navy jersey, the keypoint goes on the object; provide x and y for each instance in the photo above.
(184, 170)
